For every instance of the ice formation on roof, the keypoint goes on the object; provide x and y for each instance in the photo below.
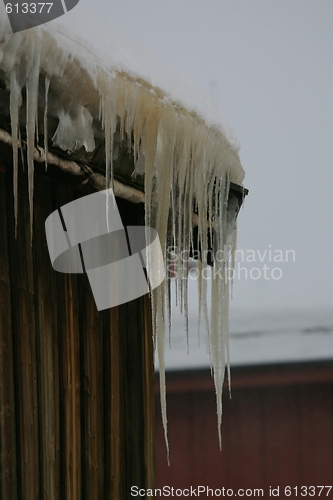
(189, 158)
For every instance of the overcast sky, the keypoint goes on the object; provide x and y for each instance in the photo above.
(271, 62)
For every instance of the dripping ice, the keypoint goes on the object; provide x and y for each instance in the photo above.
(186, 154)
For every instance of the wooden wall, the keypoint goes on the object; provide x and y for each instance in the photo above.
(76, 385)
(277, 429)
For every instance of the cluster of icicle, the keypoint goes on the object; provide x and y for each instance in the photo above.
(188, 165)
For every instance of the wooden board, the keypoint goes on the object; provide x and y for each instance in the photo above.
(76, 385)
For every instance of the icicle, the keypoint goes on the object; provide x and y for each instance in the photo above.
(201, 268)
(15, 103)
(168, 301)
(159, 217)
(32, 108)
(160, 327)
(184, 159)
(21, 150)
(109, 122)
(46, 144)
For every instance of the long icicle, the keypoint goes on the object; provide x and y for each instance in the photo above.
(32, 109)
(46, 142)
(15, 103)
(184, 155)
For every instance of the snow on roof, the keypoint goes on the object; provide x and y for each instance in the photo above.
(92, 43)
(85, 50)
(87, 75)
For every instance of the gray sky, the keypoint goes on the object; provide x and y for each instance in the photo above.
(272, 64)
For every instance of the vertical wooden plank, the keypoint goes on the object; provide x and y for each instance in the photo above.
(71, 388)
(50, 342)
(136, 383)
(91, 326)
(133, 392)
(321, 403)
(289, 436)
(8, 458)
(282, 456)
(117, 455)
(148, 392)
(24, 340)
(238, 450)
(245, 439)
(70, 371)
(47, 341)
(205, 442)
(307, 436)
(272, 404)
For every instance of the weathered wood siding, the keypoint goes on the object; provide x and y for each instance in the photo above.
(76, 385)
(277, 430)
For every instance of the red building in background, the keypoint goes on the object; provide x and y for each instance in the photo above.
(277, 428)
